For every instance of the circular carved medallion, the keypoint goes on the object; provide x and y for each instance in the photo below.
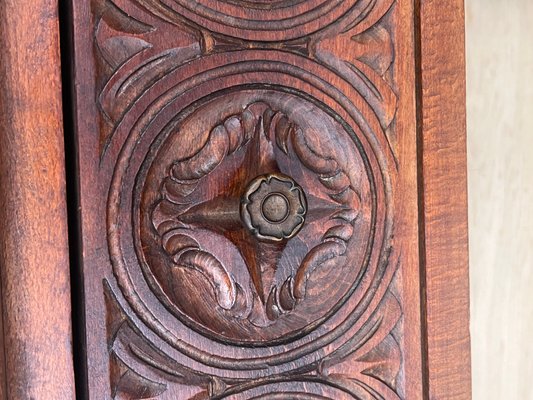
(248, 225)
(240, 249)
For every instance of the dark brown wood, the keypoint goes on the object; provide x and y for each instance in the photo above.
(444, 215)
(36, 317)
(249, 191)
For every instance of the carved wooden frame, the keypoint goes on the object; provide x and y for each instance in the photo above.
(443, 266)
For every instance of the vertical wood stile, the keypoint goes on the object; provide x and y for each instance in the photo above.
(33, 229)
(443, 216)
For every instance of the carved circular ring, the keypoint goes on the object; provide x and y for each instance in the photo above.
(273, 207)
(262, 20)
(312, 304)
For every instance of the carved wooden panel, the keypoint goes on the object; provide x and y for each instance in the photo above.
(247, 192)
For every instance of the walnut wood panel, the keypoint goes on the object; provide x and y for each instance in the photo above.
(249, 199)
(36, 360)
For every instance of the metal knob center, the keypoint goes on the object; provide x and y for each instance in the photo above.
(273, 207)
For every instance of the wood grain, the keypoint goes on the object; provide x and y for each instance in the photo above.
(178, 114)
(184, 116)
(187, 293)
(443, 215)
(33, 233)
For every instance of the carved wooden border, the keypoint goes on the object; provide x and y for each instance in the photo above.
(443, 198)
(35, 285)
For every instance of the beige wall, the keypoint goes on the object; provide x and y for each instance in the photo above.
(500, 128)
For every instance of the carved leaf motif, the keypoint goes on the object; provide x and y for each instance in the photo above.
(255, 131)
(209, 266)
(367, 53)
(368, 365)
(186, 253)
(333, 246)
(374, 48)
(317, 257)
(130, 385)
(130, 57)
(119, 49)
(223, 140)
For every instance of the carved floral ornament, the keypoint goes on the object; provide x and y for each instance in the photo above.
(235, 190)
(249, 220)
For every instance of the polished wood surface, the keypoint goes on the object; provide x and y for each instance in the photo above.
(37, 345)
(248, 195)
(263, 200)
(444, 216)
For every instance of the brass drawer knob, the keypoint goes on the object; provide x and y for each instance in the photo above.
(273, 207)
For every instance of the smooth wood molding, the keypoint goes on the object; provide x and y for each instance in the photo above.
(33, 233)
(444, 217)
